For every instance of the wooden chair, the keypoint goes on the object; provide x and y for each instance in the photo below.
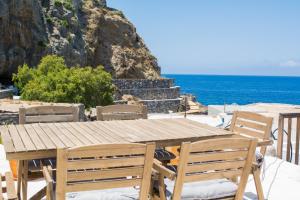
(121, 112)
(102, 167)
(9, 189)
(254, 126)
(41, 114)
(206, 168)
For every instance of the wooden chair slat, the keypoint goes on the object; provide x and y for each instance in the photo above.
(42, 114)
(249, 132)
(215, 166)
(250, 124)
(105, 163)
(102, 185)
(220, 155)
(121, 112)
(45, 110)
(253, 116)
(102, 151)
(237, 143)
(49, 118)
(289, 137)
(104, 174)
(228, 174)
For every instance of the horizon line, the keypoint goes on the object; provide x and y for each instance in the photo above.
(197, 74)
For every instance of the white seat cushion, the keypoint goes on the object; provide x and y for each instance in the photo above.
(204, 190)
(111, 194)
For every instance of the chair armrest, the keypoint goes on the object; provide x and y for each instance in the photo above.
(262, 143)
(163, 170)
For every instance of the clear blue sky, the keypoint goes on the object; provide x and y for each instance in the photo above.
(251, 37)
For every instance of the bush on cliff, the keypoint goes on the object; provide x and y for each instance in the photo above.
(53, 81)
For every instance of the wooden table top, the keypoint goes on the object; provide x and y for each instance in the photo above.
(33, 141)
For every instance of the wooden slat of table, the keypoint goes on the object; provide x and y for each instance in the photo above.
(34, 137)
(60, 135)
(56, 140)
(150, 125)
(77, 134)
(18, 143)
(134, 132)
(145, 134)
(111, 130)
(25, 138)
(131, 133)
(71, 136)
(106, 139)
(89, 133)
(43, 136)
(6, 139)
(182, 131)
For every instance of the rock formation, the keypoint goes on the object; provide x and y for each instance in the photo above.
(84, 32)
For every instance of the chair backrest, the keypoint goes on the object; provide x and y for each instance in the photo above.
(121, 112)
(215, 159)
(104, 167)
(44, 114)
(252, 125)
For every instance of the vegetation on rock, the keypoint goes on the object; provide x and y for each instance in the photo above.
(53, 81)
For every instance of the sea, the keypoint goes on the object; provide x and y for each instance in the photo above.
(224, 89)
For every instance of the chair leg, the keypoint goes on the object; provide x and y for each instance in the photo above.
(25, 180)
(162, 188)
(20, 174)
(258, 185)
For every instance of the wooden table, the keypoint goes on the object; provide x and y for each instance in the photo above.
(34, 141)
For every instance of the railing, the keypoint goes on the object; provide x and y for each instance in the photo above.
(289, 118)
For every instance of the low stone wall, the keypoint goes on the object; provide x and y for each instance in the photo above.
(151, 93)
(6, 93)
(162, 106)
(143, 83)
(160, 96)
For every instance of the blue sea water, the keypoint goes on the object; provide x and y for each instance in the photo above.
(217, 89)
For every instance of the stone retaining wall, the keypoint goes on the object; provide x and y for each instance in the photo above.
(6, 93)
(160, 96)
(162, 106)
(143, 83)
(151, 93)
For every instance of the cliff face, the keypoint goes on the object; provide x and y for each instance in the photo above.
(84, 32)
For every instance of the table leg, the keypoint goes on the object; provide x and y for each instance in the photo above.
(20, 170)
(24, 179)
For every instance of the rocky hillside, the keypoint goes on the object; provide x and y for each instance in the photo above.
(85, 32)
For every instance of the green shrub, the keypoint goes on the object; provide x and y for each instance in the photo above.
(58, 3)
(53, 81)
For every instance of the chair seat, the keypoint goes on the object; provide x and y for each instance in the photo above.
(111, 194)
(204, 190)
(163, 155)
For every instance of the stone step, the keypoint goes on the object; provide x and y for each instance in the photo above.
(143, 83)
(162, 106)
(150, 93)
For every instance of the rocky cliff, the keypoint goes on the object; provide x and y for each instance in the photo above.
(85, 32)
